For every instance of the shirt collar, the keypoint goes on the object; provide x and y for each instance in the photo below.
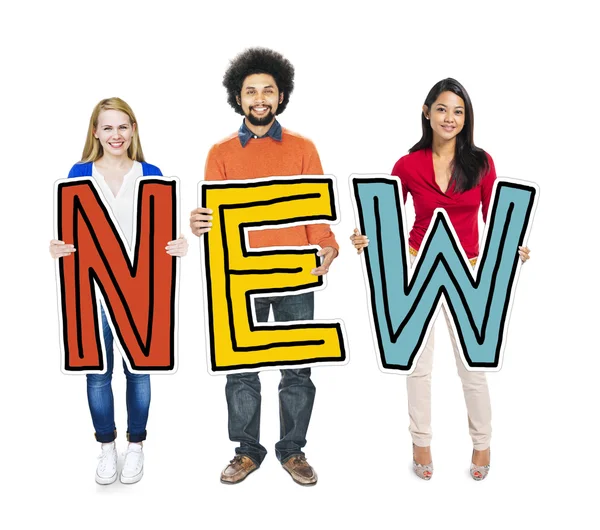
(244, 134)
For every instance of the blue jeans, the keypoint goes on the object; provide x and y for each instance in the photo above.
(100, 397)
(296, 391)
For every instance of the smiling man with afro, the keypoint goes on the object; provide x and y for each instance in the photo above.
(259, 82)
(259, 61)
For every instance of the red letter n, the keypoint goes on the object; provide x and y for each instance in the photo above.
(138, 286)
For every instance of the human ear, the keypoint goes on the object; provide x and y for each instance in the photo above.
(280, 98)
(426, 111)
(237, 98)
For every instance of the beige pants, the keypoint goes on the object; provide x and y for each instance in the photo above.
(477, 397)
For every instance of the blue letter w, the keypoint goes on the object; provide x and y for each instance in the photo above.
(403, 306)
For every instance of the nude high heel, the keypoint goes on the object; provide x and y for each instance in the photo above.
(423, 471)
(478, 472)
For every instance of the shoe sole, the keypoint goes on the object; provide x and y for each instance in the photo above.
(478, 479)
(307, 484)
(106, 481)
(132, 480)
(238, 481)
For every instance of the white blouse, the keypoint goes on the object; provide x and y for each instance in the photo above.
(123, 203)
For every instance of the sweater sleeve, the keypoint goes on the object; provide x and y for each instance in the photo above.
(312, 161)
(215, 167)
(487, 186)
(81, 169)
(150, 170)
(317, 234)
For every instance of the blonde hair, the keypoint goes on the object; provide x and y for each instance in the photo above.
(93, 150)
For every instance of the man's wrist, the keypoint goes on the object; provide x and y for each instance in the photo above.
(335, 250)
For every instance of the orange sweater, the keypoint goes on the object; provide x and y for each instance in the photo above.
(265, 157)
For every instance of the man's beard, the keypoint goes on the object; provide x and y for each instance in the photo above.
(259, 122)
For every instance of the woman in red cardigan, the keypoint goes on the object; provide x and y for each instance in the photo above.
(445, 169)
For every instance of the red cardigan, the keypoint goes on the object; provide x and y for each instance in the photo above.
(417, 175)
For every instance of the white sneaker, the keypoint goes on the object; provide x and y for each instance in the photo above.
(106, 472)
(133, 468)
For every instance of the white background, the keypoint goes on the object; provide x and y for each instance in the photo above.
(362, 74)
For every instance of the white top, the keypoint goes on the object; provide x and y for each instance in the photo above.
(122, 204)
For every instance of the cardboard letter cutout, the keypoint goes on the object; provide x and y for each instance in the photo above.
(137, 287)
(404, 302)
(236, 273)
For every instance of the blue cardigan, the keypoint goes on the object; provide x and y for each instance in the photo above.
(84, 169)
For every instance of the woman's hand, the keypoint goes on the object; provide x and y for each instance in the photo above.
(359, 241)
(524, 253)
(178, 248)
(201, 220)
(59, 249)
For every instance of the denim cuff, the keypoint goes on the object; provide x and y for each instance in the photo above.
(106, 438)
(136, 437)
(287, 457)
(257, 461)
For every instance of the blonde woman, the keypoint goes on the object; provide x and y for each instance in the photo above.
(113, 157)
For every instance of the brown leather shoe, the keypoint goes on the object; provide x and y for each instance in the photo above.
(237, 470)
(301, 471)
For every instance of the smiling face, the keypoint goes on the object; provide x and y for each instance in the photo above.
(114, 131)
(446, 115)
(259, 99)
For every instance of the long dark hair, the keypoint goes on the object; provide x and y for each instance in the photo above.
(470, 162)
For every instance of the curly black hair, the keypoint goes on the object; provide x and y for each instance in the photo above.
(259, 61)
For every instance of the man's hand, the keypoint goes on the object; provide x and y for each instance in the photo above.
(201, 220)
(179, 247)
(329, 254)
